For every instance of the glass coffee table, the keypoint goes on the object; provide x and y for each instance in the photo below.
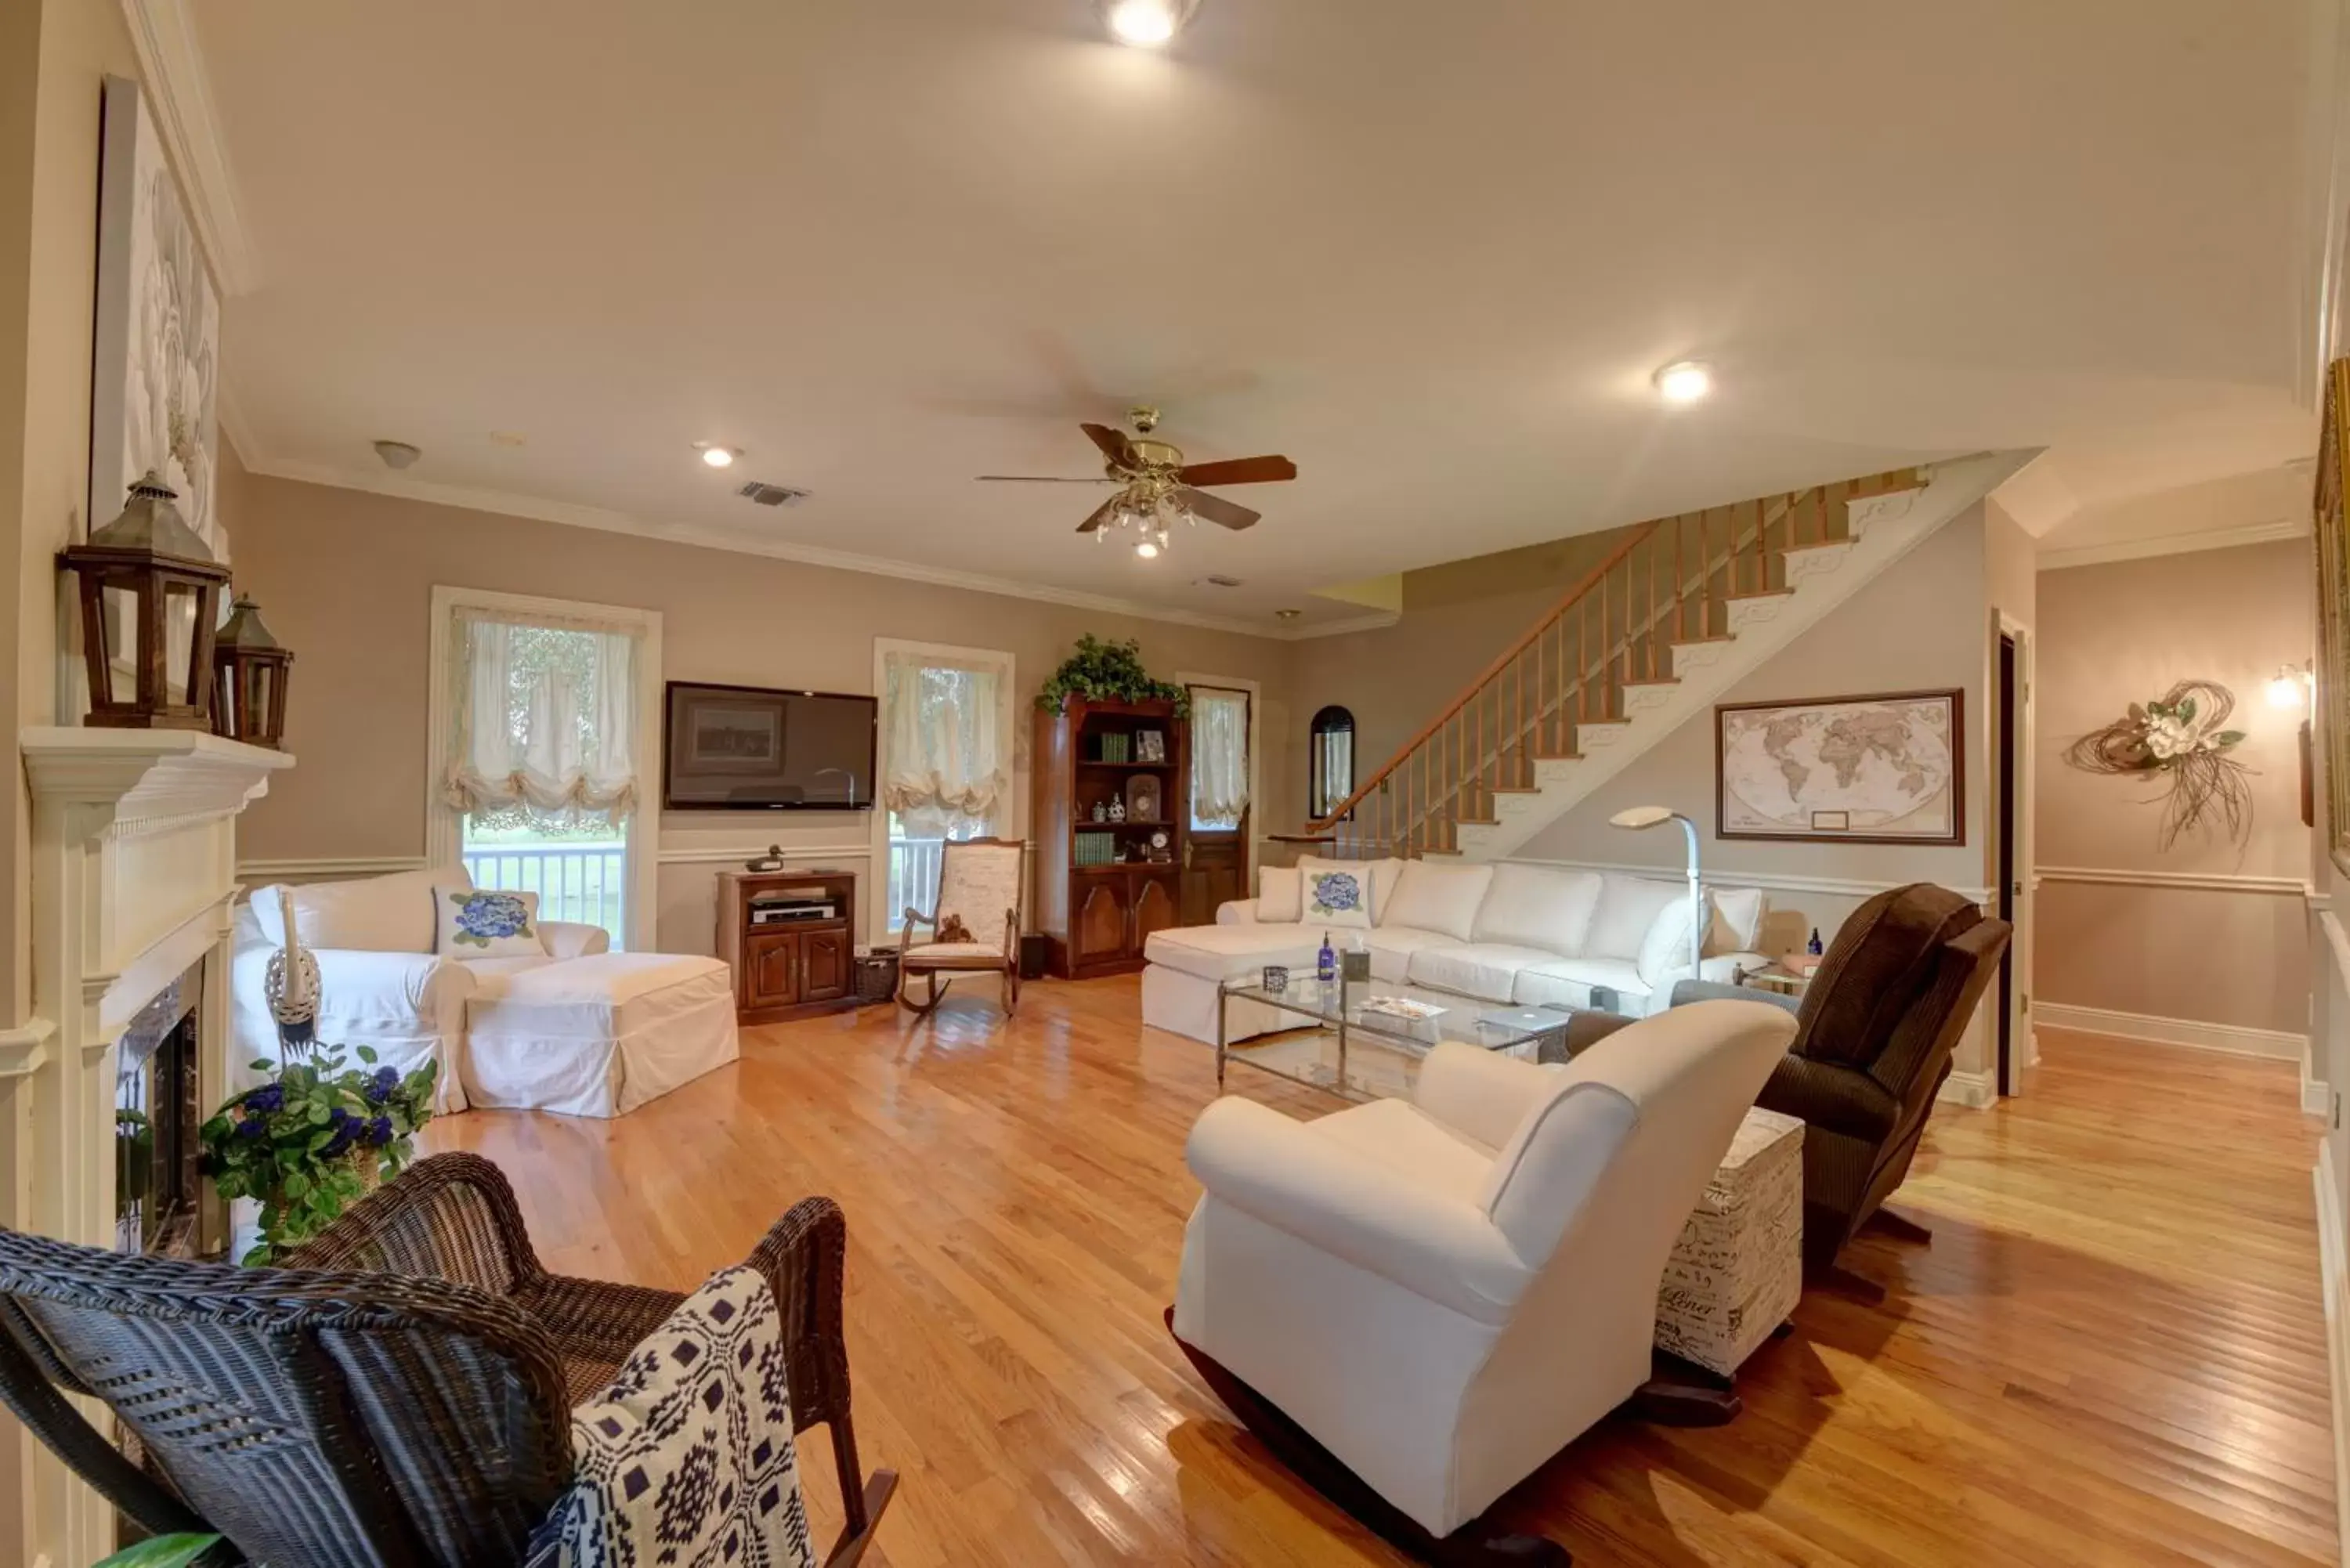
(1364, 1039)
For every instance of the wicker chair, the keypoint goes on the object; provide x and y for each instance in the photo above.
(399, 1397)
(975, 929)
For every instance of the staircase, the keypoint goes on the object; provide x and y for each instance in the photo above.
(1680, 611)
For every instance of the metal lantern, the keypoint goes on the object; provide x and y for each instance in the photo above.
(249, 667)
(149, 600)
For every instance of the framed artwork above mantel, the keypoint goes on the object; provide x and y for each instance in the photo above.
(2332, 706)
(1881, 768)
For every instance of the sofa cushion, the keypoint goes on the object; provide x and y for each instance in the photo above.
(1567, 982)
(1627, 907)
(1539, 907)
(1737, 919)
(1337, 896)
(1665, 948)
(1279, 896)
(1445, 899)
(1482, 969)
(1392, 948)
(392, 914)
(1228, 953)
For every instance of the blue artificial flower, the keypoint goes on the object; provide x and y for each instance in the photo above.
(251, 1127)
(266, 1099)
(380, 1086)
(481, 918)
(380, 1131)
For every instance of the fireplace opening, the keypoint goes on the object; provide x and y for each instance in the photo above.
(158, 1112)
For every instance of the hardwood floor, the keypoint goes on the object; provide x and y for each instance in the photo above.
(2112, 1352)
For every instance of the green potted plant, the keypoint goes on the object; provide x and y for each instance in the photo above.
(313, 1140)
(1102, 671)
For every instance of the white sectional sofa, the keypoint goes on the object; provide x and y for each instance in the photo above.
(574, 1028)
(1502, 933)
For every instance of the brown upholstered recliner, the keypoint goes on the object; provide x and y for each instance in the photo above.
(1875, 1036)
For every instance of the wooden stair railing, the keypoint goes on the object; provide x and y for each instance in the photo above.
(1670, 580)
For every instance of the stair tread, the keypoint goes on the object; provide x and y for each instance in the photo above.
(1558, 756)
(1759, 594)
(1651, 680)
(1709, 637)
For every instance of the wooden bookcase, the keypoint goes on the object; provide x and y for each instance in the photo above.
(1097, 917)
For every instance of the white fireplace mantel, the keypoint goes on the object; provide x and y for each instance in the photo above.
(134, 873)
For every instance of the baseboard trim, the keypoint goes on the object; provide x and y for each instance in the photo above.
(2234, 1040)
(1975, 1091)
(253, 872)
(2334, 1270)
(2317, 1094)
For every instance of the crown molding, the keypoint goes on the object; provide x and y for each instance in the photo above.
(513, 504)
(2174, 544)
(162, 35)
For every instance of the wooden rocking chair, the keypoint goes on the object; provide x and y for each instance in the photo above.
(975, 930)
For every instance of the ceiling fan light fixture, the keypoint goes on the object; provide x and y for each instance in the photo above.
(1148, 549)
(1685, 382)
(1146, 23)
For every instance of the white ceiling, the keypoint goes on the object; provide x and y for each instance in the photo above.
(1431, 251)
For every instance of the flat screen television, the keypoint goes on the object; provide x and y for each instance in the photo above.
(745, 748)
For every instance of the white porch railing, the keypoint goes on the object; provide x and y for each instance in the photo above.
(587, 883)
(913, 877)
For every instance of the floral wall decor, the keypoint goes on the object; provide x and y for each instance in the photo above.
(2182, 741)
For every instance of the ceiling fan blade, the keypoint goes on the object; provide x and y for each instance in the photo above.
(1216, 509)
(1114, 447)
(1239, 470)
(1040, 479)
(1102, 514)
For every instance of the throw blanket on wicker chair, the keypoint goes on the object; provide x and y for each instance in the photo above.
(686, 1457)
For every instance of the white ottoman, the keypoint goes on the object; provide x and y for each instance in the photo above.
(596, 1036)
(1737, 1272)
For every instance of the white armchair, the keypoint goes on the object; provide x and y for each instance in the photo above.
(1441, 1293)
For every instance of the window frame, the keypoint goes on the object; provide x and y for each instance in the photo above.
(880, 921)
(1256, 829)
(444, 828)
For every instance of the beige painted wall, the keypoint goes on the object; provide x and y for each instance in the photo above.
(1457, 619)
(2111, 635)
(1922, 625)
(345, 579)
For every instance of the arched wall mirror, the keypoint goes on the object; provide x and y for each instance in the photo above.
(1330, 777)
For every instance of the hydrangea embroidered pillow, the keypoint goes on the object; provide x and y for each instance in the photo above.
(1340, 898)
(487, 923)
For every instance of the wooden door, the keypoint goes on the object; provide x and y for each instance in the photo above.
(771, 962)
(1215, 855)
(1098, 933)
(1156, 907)
(823, 965)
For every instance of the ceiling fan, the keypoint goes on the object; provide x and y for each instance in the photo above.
(1157, 487)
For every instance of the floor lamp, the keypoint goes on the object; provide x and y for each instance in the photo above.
(1651, 816)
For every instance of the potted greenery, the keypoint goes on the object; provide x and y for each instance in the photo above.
(313, 1140)
(1102, 671)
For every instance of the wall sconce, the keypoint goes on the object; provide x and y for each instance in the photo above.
(2290, 690)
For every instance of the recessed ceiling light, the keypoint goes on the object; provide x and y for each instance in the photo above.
(1287, 614)
(508, 438)
(1147, 24)
(716, 456)
(1684, 381)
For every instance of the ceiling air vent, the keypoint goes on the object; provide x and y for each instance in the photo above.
(767, 494)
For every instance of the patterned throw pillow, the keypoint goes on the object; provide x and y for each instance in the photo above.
(486, 923)
(1340, 898)
(686, 1457)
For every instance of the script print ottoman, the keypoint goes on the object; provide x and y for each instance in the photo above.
(1737, 1272)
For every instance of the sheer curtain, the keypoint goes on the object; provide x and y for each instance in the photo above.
(546, 721)
(1219, 725)
(942, 772)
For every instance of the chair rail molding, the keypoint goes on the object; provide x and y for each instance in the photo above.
(257, 873)
(2197, 881)
(1773, 882)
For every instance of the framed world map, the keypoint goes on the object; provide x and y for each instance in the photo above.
(1883, 769)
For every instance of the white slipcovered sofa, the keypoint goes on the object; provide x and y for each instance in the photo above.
(577, 1028)
(1506, 932)
(1445, 1291)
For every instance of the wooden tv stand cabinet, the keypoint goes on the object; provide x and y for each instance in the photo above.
(788, 969)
